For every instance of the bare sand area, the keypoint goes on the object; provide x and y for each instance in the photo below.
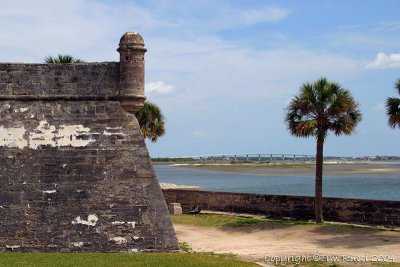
(254, 243)
(175, 186)
(301, 168)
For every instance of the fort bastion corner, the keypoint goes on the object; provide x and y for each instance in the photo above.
(75, 171)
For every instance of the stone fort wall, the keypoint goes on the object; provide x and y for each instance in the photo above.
(374, 212)
(50, 80)
(75, 173)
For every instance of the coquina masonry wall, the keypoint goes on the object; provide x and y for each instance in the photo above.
(75, 173)
(372, 212)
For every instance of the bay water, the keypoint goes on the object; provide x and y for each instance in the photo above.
(364, 185)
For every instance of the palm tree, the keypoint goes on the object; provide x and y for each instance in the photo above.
(61, 59)
(393, 108)
(151, 121)
(321, 107)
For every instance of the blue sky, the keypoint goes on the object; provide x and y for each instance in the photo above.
(224, 71)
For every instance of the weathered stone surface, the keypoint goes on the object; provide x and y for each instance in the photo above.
(175, 208)
(375, 212)
(75, 173)
(59, 79)
(131, 49)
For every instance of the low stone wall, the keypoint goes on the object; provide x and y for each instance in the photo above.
(375, 212)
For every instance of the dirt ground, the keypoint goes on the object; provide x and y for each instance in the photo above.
(254, 243)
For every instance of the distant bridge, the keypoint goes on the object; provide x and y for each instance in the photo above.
(262, 158)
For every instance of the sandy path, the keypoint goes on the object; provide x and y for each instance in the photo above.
(252, 243)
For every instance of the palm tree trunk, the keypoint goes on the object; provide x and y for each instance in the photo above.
(318, 180)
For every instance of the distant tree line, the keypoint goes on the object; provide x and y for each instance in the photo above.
(180, 160)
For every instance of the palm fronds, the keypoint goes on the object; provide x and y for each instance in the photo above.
(62, 59)
(320, 107)
(151, 121)
(393, 108)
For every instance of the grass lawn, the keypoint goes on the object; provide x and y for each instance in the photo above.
(215, 220)
(220, 220)
(169, 259)
(117, 259)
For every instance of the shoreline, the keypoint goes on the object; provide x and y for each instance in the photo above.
(176, 186)
(343, 180)
(277, 168)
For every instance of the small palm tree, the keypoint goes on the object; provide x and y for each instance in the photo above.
(393, 108)
(61, 59)
(321, 107)
(151, 121)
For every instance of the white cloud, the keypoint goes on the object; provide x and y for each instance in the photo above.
(160, 87)
(204, 135)
(238, 72)
(365, 37)
(265, 14)
(86, 29)
(233, 17)
(384, 61)
(90, 29)
(212, 16)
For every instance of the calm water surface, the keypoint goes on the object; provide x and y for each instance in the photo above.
(362, 186)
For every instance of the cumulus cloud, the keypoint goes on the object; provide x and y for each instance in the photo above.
(160, 87)
(384, 61)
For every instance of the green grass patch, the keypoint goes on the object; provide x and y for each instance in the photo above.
(117, 259)
(215, 220)
(221, 220)
(185, 247)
